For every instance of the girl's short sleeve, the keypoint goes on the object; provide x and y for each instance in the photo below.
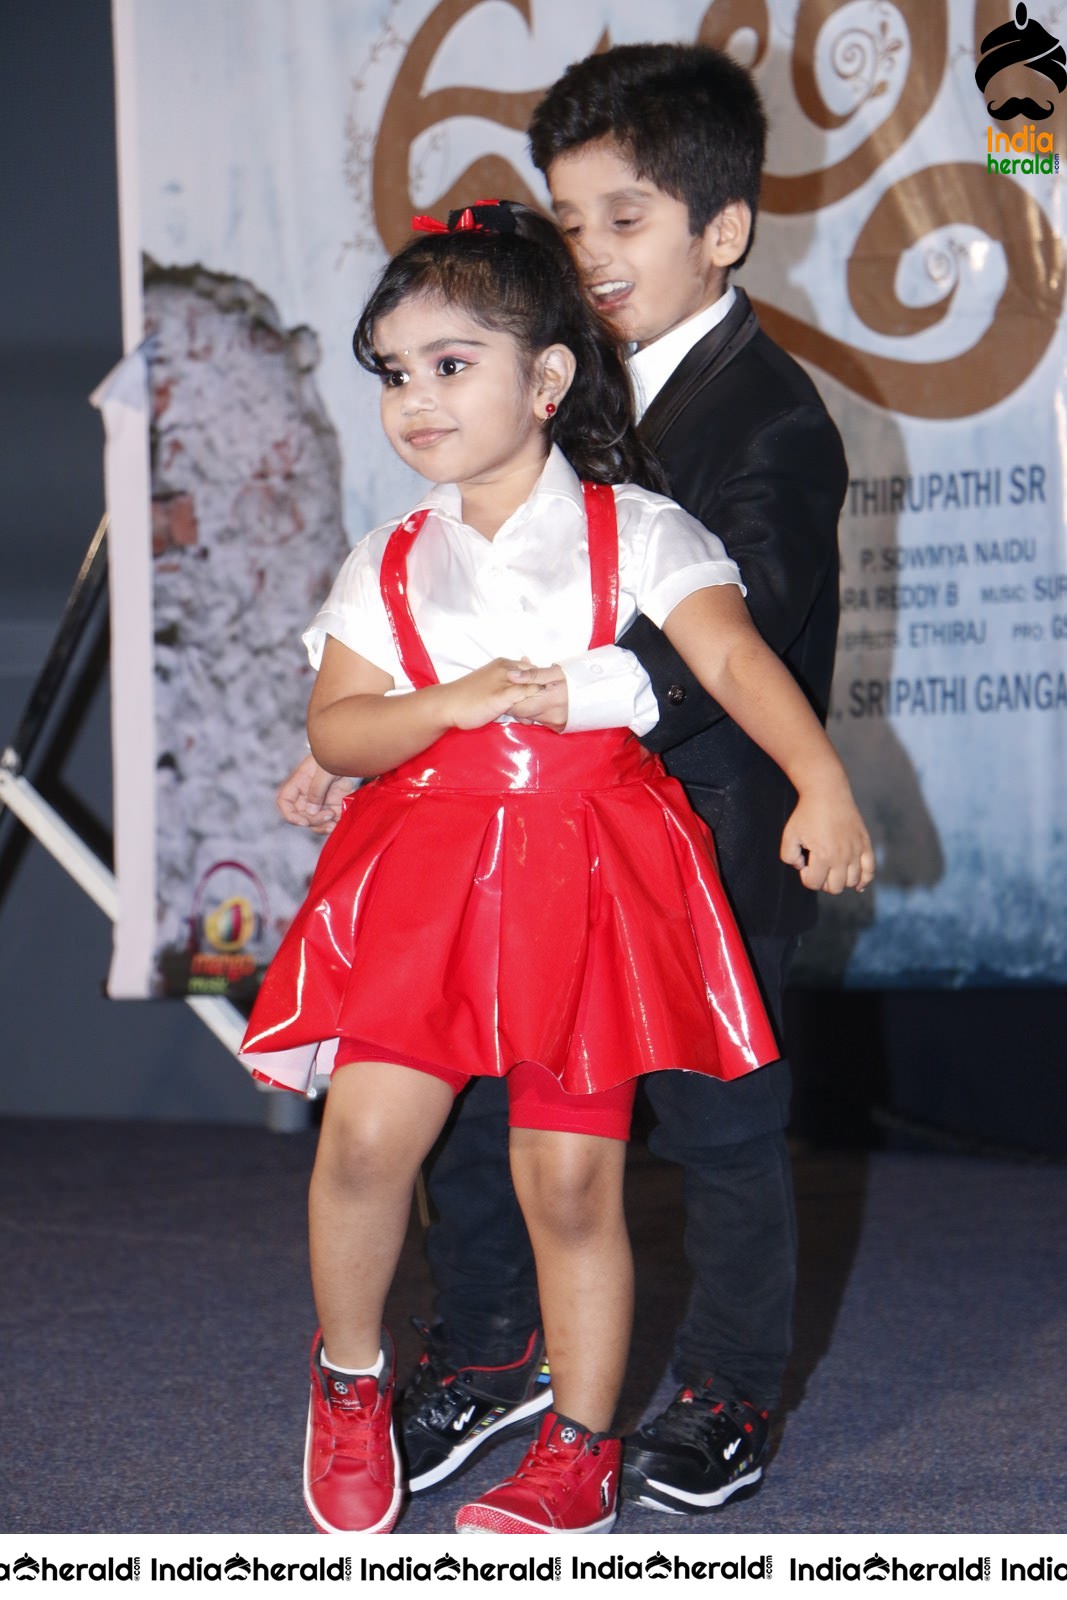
(672, 555)
(354, 613)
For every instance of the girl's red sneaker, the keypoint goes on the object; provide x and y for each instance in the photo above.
(567, 1482)
(352, 1481)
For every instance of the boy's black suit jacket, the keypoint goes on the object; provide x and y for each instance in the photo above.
(749, 449)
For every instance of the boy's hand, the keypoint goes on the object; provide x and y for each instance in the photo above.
(546, 703)
(311, 797)
(480, 697)
(827, 841)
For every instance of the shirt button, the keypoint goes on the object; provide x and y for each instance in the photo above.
(676, 693)
(596, 672)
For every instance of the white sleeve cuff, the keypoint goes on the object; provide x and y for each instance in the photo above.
(608, 688)
(658, 604)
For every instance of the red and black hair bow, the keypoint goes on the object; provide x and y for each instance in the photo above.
(483, 216)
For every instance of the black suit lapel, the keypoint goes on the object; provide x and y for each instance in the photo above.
(698, 366)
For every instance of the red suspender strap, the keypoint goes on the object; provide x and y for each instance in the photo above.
(603, 561)
(393, 580)
(603, 577)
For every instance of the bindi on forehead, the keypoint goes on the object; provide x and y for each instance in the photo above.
(435, 347)
(425, 326)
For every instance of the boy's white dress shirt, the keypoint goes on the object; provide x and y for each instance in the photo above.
(651, 366)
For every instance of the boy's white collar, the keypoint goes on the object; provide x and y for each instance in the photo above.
(651, 367)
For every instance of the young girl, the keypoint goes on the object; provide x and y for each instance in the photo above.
(505, 899)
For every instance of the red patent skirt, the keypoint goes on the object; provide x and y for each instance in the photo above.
(510, 895)
(513, 894)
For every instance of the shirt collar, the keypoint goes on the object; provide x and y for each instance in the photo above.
(558, 480)
(651, 367)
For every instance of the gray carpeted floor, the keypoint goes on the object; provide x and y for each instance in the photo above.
(156, 1317)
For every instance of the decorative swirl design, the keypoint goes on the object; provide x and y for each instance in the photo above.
(724, 18)
(1026, 316)
(859, 58)
(808, 191)
(962, 193)
(943, 268)
(409, 112)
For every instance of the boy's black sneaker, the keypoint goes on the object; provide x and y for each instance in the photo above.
(448, 1414)
(701, 1452)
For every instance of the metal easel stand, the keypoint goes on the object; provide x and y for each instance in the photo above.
(61, 841)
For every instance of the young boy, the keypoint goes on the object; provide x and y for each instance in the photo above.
(653, 156)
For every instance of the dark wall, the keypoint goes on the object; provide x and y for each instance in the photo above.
(968, 1070)
(67, 1050)
(976, 1067)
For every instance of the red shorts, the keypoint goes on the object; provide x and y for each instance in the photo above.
(535, 1099)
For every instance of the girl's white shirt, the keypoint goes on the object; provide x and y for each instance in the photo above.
(526, 592)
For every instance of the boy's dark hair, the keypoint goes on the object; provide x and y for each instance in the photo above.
(685, 116)
(522, 281)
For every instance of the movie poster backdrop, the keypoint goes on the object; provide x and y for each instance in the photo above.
(909, 253)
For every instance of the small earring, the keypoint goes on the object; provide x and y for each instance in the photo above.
(550, 410)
